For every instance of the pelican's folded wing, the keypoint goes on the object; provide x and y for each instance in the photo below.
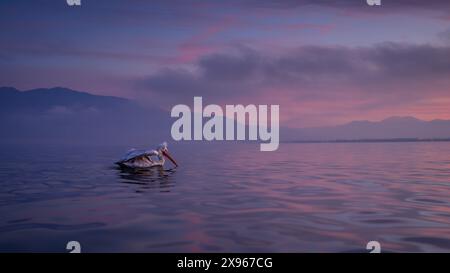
(133, 153)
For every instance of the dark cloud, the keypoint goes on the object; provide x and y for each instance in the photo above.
(229, 67)
(407, 62)
(353, 4)
(175, 12)
(180, 85)
(445, 36)
(387, 68)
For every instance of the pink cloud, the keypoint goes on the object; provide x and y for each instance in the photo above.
(199, 44)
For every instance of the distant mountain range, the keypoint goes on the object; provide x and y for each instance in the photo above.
(61, 115)
(53, 99)
(393, 128)
(68, 116)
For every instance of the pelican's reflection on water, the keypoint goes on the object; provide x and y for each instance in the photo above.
(147, 179)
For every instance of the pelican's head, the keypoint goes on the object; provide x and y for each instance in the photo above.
(162, 149)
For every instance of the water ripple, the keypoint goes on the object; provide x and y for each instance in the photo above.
(304, 197)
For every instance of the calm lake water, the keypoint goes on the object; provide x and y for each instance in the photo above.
(229, 198)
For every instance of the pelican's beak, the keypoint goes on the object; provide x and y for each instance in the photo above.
(166, 154)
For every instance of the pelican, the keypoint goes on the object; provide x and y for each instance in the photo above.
(146, 158)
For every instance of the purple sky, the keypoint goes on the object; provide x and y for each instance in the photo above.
(325, 62)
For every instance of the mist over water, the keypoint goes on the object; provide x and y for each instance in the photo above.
(326, 197)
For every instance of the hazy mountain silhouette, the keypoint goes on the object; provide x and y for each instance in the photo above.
(44, 99)
(62, 115)
(390, 128)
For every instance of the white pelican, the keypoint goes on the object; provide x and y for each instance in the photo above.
(146, 158)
